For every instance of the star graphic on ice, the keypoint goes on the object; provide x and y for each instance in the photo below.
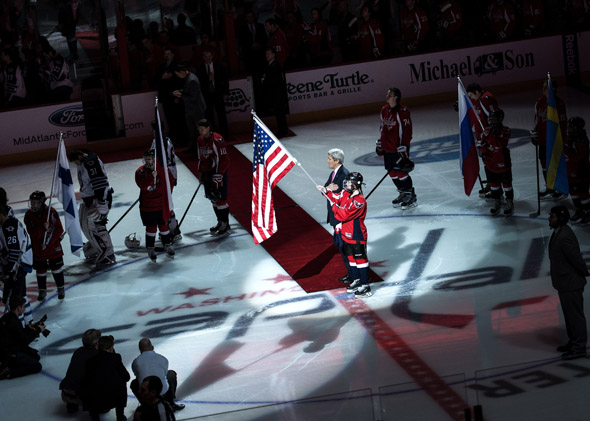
(194, 291)
(279, 278)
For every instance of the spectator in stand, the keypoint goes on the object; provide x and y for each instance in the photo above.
(215, 88)
(449, 24)
(347, 31)
(13, 81)
(533, 23)
(205, 45)
(318, 40)
(71, 385)
(577, 14)
(370, 37)
(295, 34)
(56, 75)
(183, 34)
(67, 20)
(277, 40)
(252, 40)
(501, 20)
(414, 26)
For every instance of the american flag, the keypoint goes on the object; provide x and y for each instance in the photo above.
(271, 163)
(162, 167)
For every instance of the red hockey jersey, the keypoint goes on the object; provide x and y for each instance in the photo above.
(351, 211)
(396, 128)
(35, 223)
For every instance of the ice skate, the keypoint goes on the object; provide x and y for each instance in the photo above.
(509, 207)
(363, 291)
(351, 288)
(152, 254)
(170, 251)
(497, 206)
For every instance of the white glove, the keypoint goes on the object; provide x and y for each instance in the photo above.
(402, 149)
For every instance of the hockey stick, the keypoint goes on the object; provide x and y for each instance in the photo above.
(380, 181)
(535, 214)
(124, 215)
(190, 204)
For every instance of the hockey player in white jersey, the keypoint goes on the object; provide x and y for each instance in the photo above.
(97, 196)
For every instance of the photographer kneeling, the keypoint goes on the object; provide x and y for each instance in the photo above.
(17, 358)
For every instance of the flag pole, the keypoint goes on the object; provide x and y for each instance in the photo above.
(61, 134)
(160, 133)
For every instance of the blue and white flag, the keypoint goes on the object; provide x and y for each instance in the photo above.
(64, 191)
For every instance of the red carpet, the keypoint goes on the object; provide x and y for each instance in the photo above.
(301, 246)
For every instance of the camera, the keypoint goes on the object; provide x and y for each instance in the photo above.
(41, 322)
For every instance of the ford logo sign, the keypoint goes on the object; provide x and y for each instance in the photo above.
(68, 116)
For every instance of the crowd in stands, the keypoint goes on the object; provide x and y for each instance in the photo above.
(31, 72)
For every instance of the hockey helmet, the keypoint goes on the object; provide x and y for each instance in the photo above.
(37, 200)
(404, 164)
(496, 117)
(353, 181)
(132, 242)
(575, 125)
(148, 158)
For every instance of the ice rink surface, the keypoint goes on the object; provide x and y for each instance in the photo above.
(466, 311)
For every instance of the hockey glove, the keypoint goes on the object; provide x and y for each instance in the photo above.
(378, 149)
(534, 137)
(217, 181)
(402, 150)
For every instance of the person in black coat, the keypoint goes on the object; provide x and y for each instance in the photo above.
(215, 88)
(72, 383)
(568, 272)
(336, 178)
(17, 358)
(105, 384)
(274, 92)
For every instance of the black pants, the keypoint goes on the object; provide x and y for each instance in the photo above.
(170, 395)
(572, 306)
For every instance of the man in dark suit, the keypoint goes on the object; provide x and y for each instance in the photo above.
(252, 39)
(568, 272)
(215, 88)
(336, 178)
(274, 92)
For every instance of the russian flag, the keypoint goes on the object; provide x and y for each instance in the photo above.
(468, 154)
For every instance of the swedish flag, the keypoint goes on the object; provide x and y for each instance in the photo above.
(556, 170)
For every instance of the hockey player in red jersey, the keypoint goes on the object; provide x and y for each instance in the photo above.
(539, 132)
(350, 208)
(394, 145)
(484, 102)
(577, 160)
(152, 185)
(45, 230)
(213, 166)
(496, 158)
